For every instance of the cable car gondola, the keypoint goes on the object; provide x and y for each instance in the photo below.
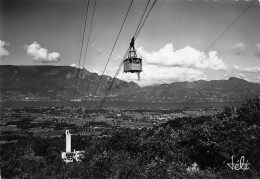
(133, 64)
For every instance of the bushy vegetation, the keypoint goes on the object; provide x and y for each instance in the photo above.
(180, 148)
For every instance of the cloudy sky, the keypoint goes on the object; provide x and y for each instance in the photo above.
(173, 42)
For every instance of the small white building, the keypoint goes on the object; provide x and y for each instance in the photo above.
(69, 156)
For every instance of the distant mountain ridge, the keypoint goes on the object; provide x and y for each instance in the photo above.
(231, 90)
(18, 83)
(55, 83)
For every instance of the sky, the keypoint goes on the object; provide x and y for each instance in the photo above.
(174, 43)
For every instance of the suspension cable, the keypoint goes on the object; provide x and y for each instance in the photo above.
(93, 14)
(205, 51)
(220, 35)
(138, 30)
(77, 69)
(139, 24)
(110, 53)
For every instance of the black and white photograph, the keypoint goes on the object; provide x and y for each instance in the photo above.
(130, 89)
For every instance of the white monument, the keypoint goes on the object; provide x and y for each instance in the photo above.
(69, 156)
(68, 141)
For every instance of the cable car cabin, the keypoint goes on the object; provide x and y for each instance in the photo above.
(133, 64)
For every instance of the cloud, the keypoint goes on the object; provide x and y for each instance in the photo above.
(239, 48)
(242, 76)
(249, 77)
(161, 74)
(257, 52)
(247, 73)
(3, 51)
(186, 57)
(247, 69)
(152, 74)
(41, 54)
(257, 78)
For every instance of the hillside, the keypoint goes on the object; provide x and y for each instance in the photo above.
(231, 90)
(57, 83)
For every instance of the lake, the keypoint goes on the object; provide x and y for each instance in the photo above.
(117, 104)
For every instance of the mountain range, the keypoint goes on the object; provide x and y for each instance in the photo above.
(40, 83)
